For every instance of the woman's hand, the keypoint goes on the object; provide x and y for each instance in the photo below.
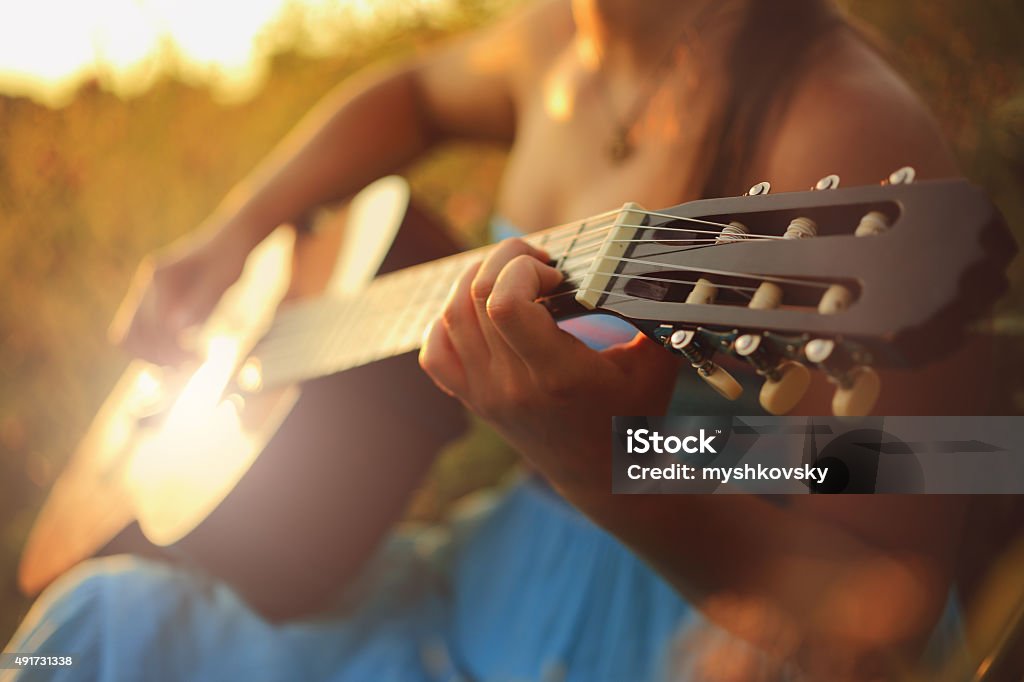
(500, 352)
(174, 289)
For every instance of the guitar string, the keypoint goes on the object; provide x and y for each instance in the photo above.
(571, 254)
(313, 368)
(648, 278)
(570, 274)
(653, 214)
(575, 252)
(661, 228)
(376, 314)
(579, 231)
(281, 328)
(569, 230)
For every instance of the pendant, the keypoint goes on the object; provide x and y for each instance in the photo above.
(620, 148)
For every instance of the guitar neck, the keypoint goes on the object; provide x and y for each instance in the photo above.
(322, 336)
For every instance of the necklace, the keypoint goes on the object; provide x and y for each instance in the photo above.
(620, 147)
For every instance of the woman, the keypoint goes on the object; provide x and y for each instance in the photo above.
(600, 102)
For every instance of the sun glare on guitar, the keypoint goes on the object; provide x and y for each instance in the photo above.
(148, 390)
(199, 448)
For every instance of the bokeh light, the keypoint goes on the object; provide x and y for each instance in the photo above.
(50, 47)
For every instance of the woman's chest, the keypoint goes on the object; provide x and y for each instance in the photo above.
(562, 166)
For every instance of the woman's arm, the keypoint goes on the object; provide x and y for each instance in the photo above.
(853, 578)
(380, 122)
(367, 128)
(376, 124)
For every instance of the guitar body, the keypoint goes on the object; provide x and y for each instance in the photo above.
(288, 513)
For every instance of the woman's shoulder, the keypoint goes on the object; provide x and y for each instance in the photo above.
(851, 75)
(851, 113)
(539, 32)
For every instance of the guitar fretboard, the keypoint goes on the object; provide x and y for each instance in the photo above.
(330, 334)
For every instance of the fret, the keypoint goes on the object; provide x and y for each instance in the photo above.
(375, 322)
(395, 333)
(313, 361)
(447, 274)
(423, 314)
(388, 330)
(399, 331)
(577, 263)
(327, 318)
(339, 356)
(572, 241)
(590, 241)
(392, 301)
(542, 239)
(346, 324)
(419, 311)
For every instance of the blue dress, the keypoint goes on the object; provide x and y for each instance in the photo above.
(521, 588)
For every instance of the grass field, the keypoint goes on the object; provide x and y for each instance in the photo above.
(86, 190)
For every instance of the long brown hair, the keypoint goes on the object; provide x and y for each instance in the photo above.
(774, 45)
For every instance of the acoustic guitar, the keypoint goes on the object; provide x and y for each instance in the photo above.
(235, 465)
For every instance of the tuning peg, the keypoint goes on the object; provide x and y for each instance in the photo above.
(733, 232)
(859, 394)
(827, 182)
(785, 381)
(873, 222)
(835, 300)
(902, 176)
(703, 293)
(685, 341)
(720, 380)
(760, 188)
(858, 386)
(768, 295)
(780, 395)
(801, 228)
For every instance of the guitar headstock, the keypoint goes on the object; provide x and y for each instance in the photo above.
(839, 279)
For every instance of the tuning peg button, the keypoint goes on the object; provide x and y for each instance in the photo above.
(681, 339)
(819, 350)
(857, 393)
(720, 380)
(780, 395)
